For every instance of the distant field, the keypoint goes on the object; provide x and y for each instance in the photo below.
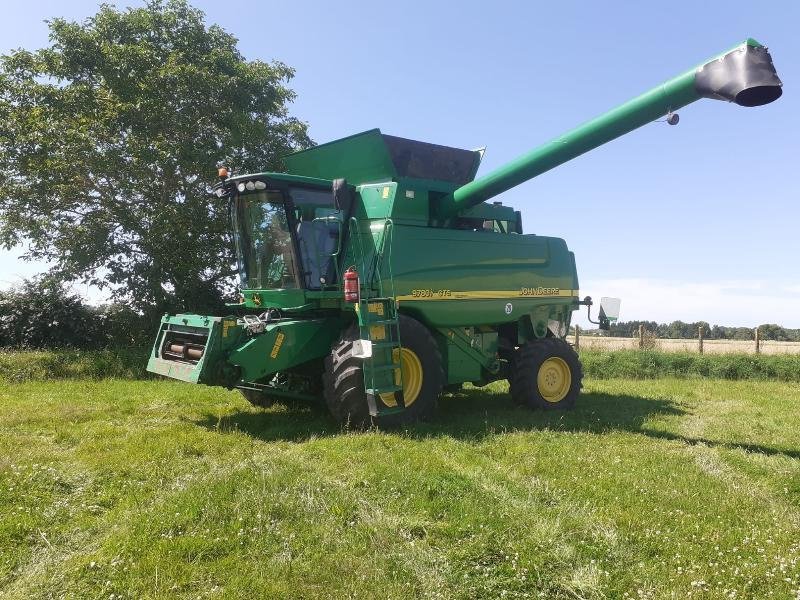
(709, 346)
(659, 488)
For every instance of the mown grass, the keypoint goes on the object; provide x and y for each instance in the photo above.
(152, 489)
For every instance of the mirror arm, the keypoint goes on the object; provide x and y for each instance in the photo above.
(603, 323)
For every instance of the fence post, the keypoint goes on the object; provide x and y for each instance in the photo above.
(641, 336)
(758, 341)
(700, 338)
(577, 338)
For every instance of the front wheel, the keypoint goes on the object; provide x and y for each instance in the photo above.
(422, 374)
(546, 374)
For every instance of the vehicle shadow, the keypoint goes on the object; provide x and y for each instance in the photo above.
(469, 414)
(474, 414)
(596, 413)
(291, 422)
(744, 446)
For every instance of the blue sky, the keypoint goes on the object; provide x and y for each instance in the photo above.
(697, 221)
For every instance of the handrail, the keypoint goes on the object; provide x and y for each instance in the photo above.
(386, 254)
(358, 256)
(371, 277)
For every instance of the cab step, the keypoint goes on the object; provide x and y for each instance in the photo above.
(381, 322)
(377, 406)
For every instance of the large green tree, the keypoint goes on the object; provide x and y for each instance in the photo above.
(110, 137)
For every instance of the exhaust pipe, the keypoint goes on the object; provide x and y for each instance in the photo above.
(743, 75)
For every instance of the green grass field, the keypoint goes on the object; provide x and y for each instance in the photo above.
(650, 489)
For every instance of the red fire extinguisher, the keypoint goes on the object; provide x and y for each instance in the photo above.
(351, 285)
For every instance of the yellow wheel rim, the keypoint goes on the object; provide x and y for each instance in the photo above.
(412, 375)
(554, 379)
(412, 378)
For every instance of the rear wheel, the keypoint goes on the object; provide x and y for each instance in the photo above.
(421, 365)
(546, 374)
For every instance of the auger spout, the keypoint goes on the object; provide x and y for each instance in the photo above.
(744, 75)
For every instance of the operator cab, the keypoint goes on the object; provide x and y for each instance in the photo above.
(286, 236)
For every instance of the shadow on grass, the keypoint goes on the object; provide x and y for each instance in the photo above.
(293, 422)
(467, 414)
(752, 448)
(475, 414)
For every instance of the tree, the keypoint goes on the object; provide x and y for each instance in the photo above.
(770, 331)
(681, 330)
(631, 328)
(108, 141)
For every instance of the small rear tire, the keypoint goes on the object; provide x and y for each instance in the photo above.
(546, 374)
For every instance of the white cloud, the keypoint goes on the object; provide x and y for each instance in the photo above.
(743, 303)
(793, 289)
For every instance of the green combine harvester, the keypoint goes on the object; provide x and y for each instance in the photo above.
(378, 273)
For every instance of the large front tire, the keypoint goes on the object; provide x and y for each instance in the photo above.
(546, 374)
(423, 378)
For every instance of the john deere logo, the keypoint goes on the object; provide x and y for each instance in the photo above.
(509, 308)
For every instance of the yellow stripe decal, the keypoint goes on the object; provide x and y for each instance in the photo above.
(429, 294)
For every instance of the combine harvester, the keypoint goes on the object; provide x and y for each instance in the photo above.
(376, 272)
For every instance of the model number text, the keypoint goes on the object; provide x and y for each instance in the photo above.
(431, 293)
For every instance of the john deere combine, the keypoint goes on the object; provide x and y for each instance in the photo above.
(376, 273)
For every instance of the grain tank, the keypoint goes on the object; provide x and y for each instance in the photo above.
(378, 271)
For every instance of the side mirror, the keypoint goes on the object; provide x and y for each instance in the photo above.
(609, 312)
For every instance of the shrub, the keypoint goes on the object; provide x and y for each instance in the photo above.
(41, 314)
(44, 314)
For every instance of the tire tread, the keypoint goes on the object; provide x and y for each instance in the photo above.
(527, 359)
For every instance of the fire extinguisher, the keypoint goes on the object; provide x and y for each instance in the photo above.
(351, 285)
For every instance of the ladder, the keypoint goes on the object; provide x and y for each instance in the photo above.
(383, 380)
(379, 326)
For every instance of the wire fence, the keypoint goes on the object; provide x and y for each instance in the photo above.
(648, 341)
